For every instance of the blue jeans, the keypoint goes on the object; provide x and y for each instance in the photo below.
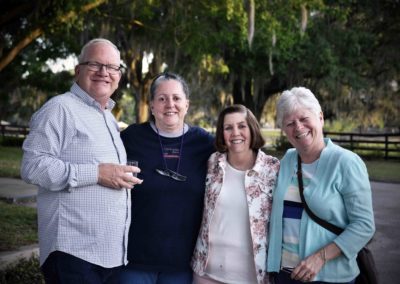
(134, 276)
(284, 278)
(63, 268)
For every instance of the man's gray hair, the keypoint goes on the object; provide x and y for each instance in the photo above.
(81, 57)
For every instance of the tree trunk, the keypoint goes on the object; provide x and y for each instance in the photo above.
(142, 107)
(254, 93)
(237, 90)
(265, 90)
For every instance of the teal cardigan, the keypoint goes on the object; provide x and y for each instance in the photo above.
(340, 193)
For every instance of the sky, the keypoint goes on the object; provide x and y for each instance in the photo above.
(62, 64)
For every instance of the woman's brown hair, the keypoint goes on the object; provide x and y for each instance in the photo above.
(257, 140)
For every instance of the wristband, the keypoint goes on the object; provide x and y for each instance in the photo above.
(322, 254)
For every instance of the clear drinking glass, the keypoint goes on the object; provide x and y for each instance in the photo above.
(132, 163)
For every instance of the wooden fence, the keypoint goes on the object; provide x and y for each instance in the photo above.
(11, 130)
(386, 144)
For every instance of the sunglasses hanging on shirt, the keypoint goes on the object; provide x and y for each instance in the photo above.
(171, 174)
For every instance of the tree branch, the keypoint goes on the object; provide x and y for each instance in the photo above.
(35, 33)
(14, 13)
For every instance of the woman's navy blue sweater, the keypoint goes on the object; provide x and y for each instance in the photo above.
(166, 214)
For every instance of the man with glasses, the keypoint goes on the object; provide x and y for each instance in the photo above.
(75, 155)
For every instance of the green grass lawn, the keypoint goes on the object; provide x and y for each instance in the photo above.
(383, 170)
(10, 161)
(18, 225)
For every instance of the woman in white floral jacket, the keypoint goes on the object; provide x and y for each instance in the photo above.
(233, 238)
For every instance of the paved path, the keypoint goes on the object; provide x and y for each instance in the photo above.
(16, 190)
(385, 245)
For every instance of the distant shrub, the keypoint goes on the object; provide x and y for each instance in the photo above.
(282, 143)
(12, 141)
(342, 125)
(25, 271)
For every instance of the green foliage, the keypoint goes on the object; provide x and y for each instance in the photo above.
(10, 161)
(33, 85)
(18, 225)
(342, 125)
(282, 143)
(28, 77)
(125, 109)
(25, 271)
(11, 141)
(346, 51)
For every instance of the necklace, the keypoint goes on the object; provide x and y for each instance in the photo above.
(167, 172)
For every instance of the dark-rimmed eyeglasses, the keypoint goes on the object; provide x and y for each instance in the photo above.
(171, 174)
(96, 67)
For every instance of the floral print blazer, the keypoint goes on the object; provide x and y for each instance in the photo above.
(259, 184)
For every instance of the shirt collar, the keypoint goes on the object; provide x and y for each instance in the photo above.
(259, 164)
(75, 89)
(222, 159)
(170, 135)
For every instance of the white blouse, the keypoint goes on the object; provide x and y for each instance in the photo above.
(231, 257)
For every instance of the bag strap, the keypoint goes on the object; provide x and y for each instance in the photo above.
(333, 228)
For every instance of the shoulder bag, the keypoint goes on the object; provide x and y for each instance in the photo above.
(365, 261)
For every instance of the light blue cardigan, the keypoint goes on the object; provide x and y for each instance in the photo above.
(340, 193)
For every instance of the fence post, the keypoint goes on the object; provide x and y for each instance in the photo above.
(351, 142)
(386, 146)
(25, 131)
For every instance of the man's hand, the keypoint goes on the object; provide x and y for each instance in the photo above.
(118, 176)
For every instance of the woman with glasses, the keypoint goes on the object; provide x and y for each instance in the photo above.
(232, 243)
(335, 186)
(167, 206)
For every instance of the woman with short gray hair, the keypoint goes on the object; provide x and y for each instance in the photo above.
(336, 189)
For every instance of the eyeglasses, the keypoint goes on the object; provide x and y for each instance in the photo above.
(171, 174)
(96, 67)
